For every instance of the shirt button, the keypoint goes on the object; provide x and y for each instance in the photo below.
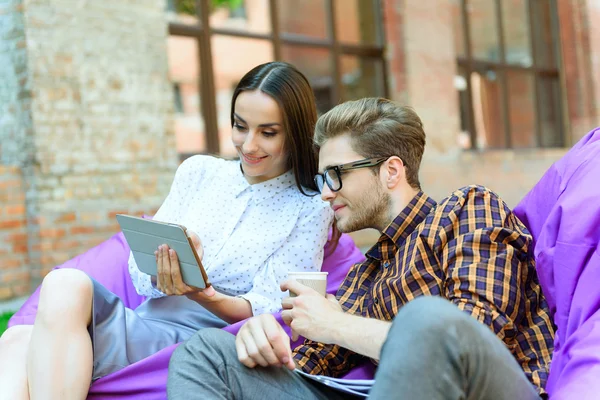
(386, 264)
(376, 300)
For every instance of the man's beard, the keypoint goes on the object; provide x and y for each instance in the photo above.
(369, 211)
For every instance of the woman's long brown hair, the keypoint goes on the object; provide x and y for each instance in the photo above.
(292, 91)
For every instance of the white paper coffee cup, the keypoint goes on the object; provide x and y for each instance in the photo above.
(314, 280)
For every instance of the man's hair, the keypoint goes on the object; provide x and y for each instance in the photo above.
(378, 128)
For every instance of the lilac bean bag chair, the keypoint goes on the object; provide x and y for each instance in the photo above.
(147, 379)
(562, 213)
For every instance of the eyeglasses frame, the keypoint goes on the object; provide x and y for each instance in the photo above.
(339, 169)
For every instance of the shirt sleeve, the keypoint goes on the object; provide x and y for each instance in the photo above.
(302, 251)
(326, 359)
(173, 209)
(486, 258)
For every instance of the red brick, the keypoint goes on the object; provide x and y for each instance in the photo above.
(7, 264)
(15, 210)
(113, 214)
(68, 217)
(5, 293)
(12, 224)
(17, 237)
(43, 246)
(66, 244)
(17, 276)
(82, 229)
(10, 184)
(20, 248)
(52, 233)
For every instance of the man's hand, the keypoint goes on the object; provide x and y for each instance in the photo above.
(169, 280)
(262, 341)
(310, 314)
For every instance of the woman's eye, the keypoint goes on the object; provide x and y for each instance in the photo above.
(239, 127)
(269, 134)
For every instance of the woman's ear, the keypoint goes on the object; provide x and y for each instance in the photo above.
(396, 172)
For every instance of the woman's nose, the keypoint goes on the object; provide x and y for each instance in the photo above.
(250, 143)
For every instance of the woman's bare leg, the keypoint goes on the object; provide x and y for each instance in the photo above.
(59, 363)
(13, 363)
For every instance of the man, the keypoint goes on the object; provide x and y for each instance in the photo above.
(470, 320)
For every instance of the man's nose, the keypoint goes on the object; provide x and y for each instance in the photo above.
(327, 194)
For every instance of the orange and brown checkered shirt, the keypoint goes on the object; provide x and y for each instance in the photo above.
(470, 249)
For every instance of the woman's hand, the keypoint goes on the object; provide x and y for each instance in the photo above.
(169, 280)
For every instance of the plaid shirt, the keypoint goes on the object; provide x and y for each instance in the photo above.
(469, 249)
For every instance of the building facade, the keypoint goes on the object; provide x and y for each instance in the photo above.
(99, 101)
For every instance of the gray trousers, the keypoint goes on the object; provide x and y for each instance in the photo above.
(433, 351)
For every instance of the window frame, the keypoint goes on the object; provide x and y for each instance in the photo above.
(202, 32)
(469, 64)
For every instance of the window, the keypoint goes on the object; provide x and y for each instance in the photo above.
(508, 76)
(337, 44)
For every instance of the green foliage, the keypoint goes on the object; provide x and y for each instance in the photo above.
(231, 4)
(4, 321)
(189, 6)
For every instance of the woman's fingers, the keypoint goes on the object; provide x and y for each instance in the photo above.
(179, 287)
(166, 262)
(158, 280)
(197, 244)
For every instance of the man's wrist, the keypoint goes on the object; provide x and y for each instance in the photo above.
(339, 327)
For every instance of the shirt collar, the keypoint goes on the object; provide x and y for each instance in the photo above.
(267, 189)
(263, 190)
(404, 224)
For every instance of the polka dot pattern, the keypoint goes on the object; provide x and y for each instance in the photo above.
(252, 235)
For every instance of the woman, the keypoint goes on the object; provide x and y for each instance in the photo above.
(257, 219)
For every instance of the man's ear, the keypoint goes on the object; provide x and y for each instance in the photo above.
(395, 172)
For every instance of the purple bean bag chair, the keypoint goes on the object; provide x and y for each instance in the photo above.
(562, 213)
(147, 379)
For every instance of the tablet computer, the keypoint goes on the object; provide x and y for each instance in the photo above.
(145, 235)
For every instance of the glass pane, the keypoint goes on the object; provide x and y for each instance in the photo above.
(306, 17)
(460, 84)
(515, 17)
(184, 72)
(483, 29)
(544, 43)
(361, 77)
(458, 27)
(521, 103)
(356, 21)
(550, 112)
(182, 11)
(232, 58)
(488, 109)
(315, 63)
(241, 15)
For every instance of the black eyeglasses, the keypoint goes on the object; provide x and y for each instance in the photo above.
(333, 175)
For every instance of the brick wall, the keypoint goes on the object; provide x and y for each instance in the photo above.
(15, 151)
(14, 263)
(102, 119)
(87, 132)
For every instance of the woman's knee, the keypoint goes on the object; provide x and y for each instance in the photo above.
(65, 294)
(16, 336)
